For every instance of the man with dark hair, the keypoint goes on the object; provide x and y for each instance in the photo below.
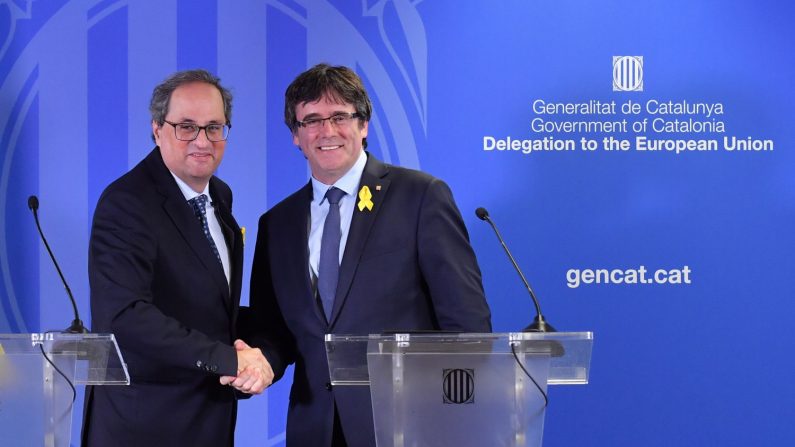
(165, 269)
(362, 248)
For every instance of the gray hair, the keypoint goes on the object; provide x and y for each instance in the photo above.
(161, 95)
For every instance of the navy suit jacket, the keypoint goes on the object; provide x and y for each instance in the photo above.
(408, 265)
(156, 285)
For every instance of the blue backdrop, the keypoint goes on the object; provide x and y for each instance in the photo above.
(704, 363)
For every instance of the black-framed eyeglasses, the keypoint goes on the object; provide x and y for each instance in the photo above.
(339, 119)
(190, 131)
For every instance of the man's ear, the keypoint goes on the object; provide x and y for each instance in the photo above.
(156, 132)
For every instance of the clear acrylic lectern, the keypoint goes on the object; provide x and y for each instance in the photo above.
(35, 398)
(459, 389)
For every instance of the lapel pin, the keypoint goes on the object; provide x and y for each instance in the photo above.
(364, 199)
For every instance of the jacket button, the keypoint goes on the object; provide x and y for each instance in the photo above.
(328, 386)
(214, 368)
(198, 363)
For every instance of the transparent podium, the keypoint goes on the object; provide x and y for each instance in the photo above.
(439, 389)
(37, 376)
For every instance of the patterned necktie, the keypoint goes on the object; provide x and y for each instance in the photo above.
(199, 204)
(329, 265)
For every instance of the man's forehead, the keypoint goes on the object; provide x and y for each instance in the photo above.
(196, 86)
(196, 97)
(329, 98)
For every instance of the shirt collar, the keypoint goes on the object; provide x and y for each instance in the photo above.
(348, 182)
(189, 193)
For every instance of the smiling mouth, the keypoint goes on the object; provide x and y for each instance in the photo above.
(329, 148)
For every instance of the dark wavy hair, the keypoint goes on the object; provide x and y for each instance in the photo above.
(340, 83)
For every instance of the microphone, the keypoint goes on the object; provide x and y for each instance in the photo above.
(77, 325)
(539, 324)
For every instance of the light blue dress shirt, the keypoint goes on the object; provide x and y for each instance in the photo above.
(319, 209)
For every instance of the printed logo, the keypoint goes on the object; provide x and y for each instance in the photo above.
(458, 386)
(627, 73)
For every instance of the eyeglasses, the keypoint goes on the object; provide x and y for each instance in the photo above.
(339, 120)
(189, 131)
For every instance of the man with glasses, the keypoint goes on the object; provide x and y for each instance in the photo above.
(165, 269)
(364, 247)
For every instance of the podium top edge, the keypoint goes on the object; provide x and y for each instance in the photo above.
(465, 336)
(43, 336)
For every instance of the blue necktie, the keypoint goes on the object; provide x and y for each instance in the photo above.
(329, 264)
(199, 204)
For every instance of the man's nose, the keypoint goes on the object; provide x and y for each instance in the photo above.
(201, 139)
(327, 127)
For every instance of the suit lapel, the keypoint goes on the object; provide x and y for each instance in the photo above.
(296, 226)
(181, 214)
(234, 244)
(300, 231)
(374, 177)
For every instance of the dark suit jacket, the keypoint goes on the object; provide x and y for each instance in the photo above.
(408, 265)
(156, 285)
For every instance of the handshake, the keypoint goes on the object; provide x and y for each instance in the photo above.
(254, 373)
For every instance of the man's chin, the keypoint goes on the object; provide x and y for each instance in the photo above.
(202, 175)
(203, 164)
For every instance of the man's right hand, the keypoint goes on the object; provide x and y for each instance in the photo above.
(254, 373)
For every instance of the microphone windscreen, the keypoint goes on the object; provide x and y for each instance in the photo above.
(482, 213)
(33, 203)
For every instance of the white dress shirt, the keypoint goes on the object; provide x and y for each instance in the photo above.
(212, 222)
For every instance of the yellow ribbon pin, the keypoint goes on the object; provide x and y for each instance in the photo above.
(243, 233)
(364, 199)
